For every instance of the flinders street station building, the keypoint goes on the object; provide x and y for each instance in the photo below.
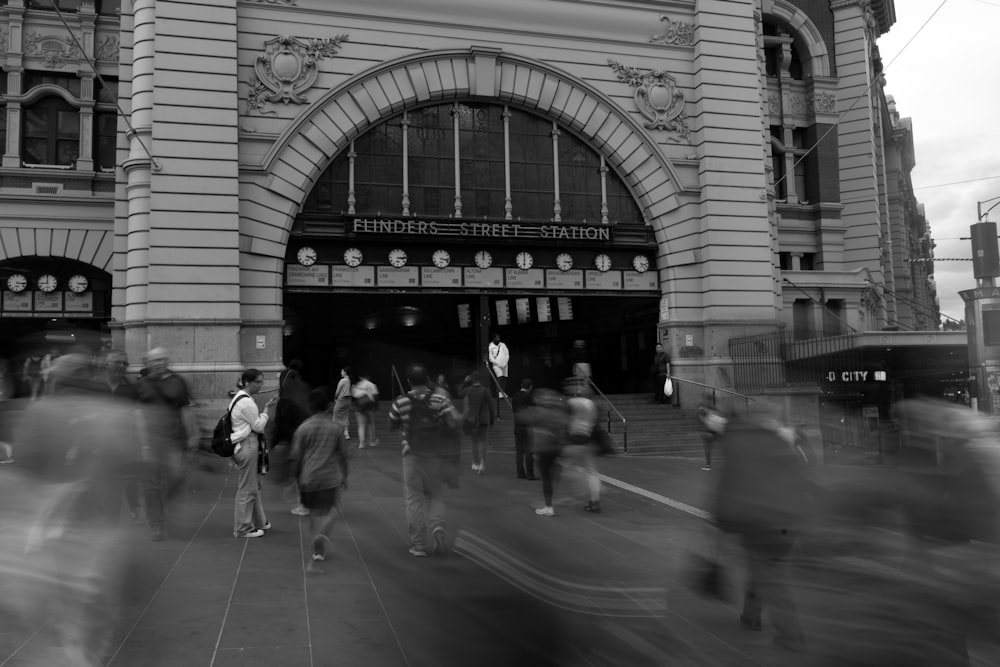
(246, 182)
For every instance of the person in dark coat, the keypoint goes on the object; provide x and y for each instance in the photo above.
(480, 413)
(660, 371)
(524, 459)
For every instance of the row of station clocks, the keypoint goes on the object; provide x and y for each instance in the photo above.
(47, 283)
(307, 256)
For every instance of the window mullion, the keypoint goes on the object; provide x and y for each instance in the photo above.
(604, 191)
(508, 206)
(351, 155)
(405, 124)
(556, 206)
(458, 175)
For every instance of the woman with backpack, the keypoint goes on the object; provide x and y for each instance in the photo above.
(249, 423)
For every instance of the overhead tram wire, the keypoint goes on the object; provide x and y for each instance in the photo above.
(156, 166)
(912, 303)
(857, 99)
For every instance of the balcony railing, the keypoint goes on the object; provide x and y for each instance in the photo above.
(781, 359)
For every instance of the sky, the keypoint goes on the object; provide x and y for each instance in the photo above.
(947, 81)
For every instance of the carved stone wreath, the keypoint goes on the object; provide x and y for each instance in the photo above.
(107, 50)
(55, 51)
(287, 68)
(657, 97)
(674, 32)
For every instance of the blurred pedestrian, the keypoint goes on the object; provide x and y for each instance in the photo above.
(479, 414)
(498, 356)
(364, 393)
(114, 381)
(421, 415)
(581, 361)
(547, 421)
(319, 462)
(660, 371)
(581, 446)
(249, 422)
(714, 424)
(760, 497)
(524, 458)
(342, 401)
(6, 416)
(170, 428)
(291, 410)
(31, 374)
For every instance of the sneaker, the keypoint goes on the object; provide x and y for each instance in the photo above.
(252, 533)
(158, 535)
(545, 511)
(706, 467)
(418, 552)
(440, 542)
(266, 526)
(301, 510)
(475, 468)
(7, 461)
(482, 469)
(593, 506)
(319, 557)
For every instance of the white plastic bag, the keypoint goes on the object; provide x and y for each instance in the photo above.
(668, 388)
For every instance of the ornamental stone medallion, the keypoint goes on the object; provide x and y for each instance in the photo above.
(657, 97)
(674, 32)
(287, 68)
(55, 51)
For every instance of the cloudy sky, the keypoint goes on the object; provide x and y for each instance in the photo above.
(947, 80)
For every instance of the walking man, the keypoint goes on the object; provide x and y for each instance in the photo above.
(171, 427)
(422, 415)
(524, 458)
(499, 358)
(319, 460)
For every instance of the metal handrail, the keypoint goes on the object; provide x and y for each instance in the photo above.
(611, 407)
(714, 389)
(500, 391)
(395, 380)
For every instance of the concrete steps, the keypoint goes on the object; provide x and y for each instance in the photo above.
(649, 428)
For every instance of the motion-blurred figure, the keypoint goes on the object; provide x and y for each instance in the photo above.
(422, 415)
(714, 426)
(480, 413)
(524, 458)
(581, 446)
(364, 393)
(319, 462)
(547, 420)
(170, 427)
(6, 410)
(61, 553)
(342, 401)
(760, 498)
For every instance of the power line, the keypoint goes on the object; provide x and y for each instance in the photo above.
(971, 180)
(825, 308)
(113, 94)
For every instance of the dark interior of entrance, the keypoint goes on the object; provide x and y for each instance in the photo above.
(374, 332)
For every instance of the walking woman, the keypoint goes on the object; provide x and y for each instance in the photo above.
(479, 416)
(249, 422)
(342, 401)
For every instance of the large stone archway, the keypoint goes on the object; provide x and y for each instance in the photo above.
(270, 201)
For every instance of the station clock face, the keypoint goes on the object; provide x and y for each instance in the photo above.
(17, 282)
(524, 260)
(353, 257)
(397, 258)
(602, 262)
(441, 258)
(640, 263)
(564, 261)
(483, 259)
(78, 283)
(306, 256)
(47, 282)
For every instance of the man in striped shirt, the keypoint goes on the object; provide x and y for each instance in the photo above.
(423, 416)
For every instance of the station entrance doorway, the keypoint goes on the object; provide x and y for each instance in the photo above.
(449, 333)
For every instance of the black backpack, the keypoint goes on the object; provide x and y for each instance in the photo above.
(425, 428)
(222, 435)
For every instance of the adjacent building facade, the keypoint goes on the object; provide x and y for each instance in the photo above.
(374, 183)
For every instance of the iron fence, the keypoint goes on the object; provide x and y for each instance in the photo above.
(782, 359)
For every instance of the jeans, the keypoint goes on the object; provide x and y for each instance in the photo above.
(524, 460)
(477, 437)
(249, 511)
(548, 468)
(423, 493)
(366, 428)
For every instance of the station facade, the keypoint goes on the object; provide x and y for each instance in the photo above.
(379, 183)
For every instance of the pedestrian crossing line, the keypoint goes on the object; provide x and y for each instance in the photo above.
(670, 502)
(607, 601)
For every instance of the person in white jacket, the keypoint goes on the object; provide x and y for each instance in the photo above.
(499, 359)
(249, 519)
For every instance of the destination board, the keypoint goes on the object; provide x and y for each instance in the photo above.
(48, 302)
(317, 275)
(634, 280)
(16, 302)
(390, 276)
(483, 277)
(556, 279)
(431, 276)
(526, 279)
(610, 280)
(347, 276)
(79, 303)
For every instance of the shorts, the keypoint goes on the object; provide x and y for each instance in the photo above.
(321, 501)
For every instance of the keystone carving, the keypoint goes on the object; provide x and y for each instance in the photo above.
(287, 68)
(55, 51)
(657, 97)
(674, 32)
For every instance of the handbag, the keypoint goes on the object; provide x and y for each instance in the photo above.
(668, 388)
